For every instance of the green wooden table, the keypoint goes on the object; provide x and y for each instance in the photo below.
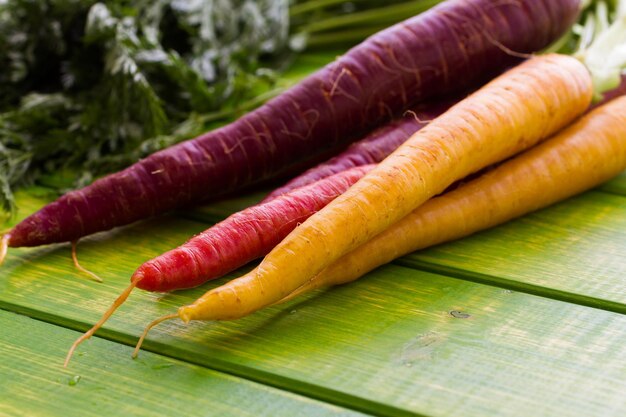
(527, 319)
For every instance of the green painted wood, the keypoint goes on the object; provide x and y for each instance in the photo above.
(573, 250)
(219, 210)
(616, 185)
(107, 382)
(397, 342)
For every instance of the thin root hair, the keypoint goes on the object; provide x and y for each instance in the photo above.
(416, 117)
(118, 302)
(148, 328)
(4, 246)
(80, 267)
(504, 48)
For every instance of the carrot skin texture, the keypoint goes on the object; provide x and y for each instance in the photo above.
(372, 149)
(242, 237)
(580, 157)
(512, 113)
(414, 232)
(447, 48)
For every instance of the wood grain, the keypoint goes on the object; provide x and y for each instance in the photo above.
(401, 341)
(108, 382)
(397, 342)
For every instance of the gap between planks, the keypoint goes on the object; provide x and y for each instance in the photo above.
(312, 391)
(508, 284)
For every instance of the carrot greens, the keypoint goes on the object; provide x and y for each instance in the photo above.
(606, 56)
(87, 83)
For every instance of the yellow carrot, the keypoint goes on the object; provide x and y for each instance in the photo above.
(508, 115)
(584, 155)
(512, 113)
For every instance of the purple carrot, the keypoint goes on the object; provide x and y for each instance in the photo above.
(372, 149)
(447, 48)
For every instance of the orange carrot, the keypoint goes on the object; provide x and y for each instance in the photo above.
(578, 158)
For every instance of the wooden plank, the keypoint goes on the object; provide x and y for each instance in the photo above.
(573, 250)
(398, 342)
(108, 382)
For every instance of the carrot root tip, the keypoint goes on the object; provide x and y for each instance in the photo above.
(4, 247)
(108, 313)
(184, 315)
(148, 328)
(80, 267)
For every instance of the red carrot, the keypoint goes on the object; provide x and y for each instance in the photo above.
(447, 48)
(372, 149)
(241, 238)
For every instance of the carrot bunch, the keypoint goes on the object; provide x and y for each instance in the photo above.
(373, 202)
(449, 48)
(512, 113)
(563, 87)
(334, 246)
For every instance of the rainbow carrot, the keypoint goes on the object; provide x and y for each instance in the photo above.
(449, 47)
(232, 243)
(584, 155)
(372, 149)
(512, 113)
